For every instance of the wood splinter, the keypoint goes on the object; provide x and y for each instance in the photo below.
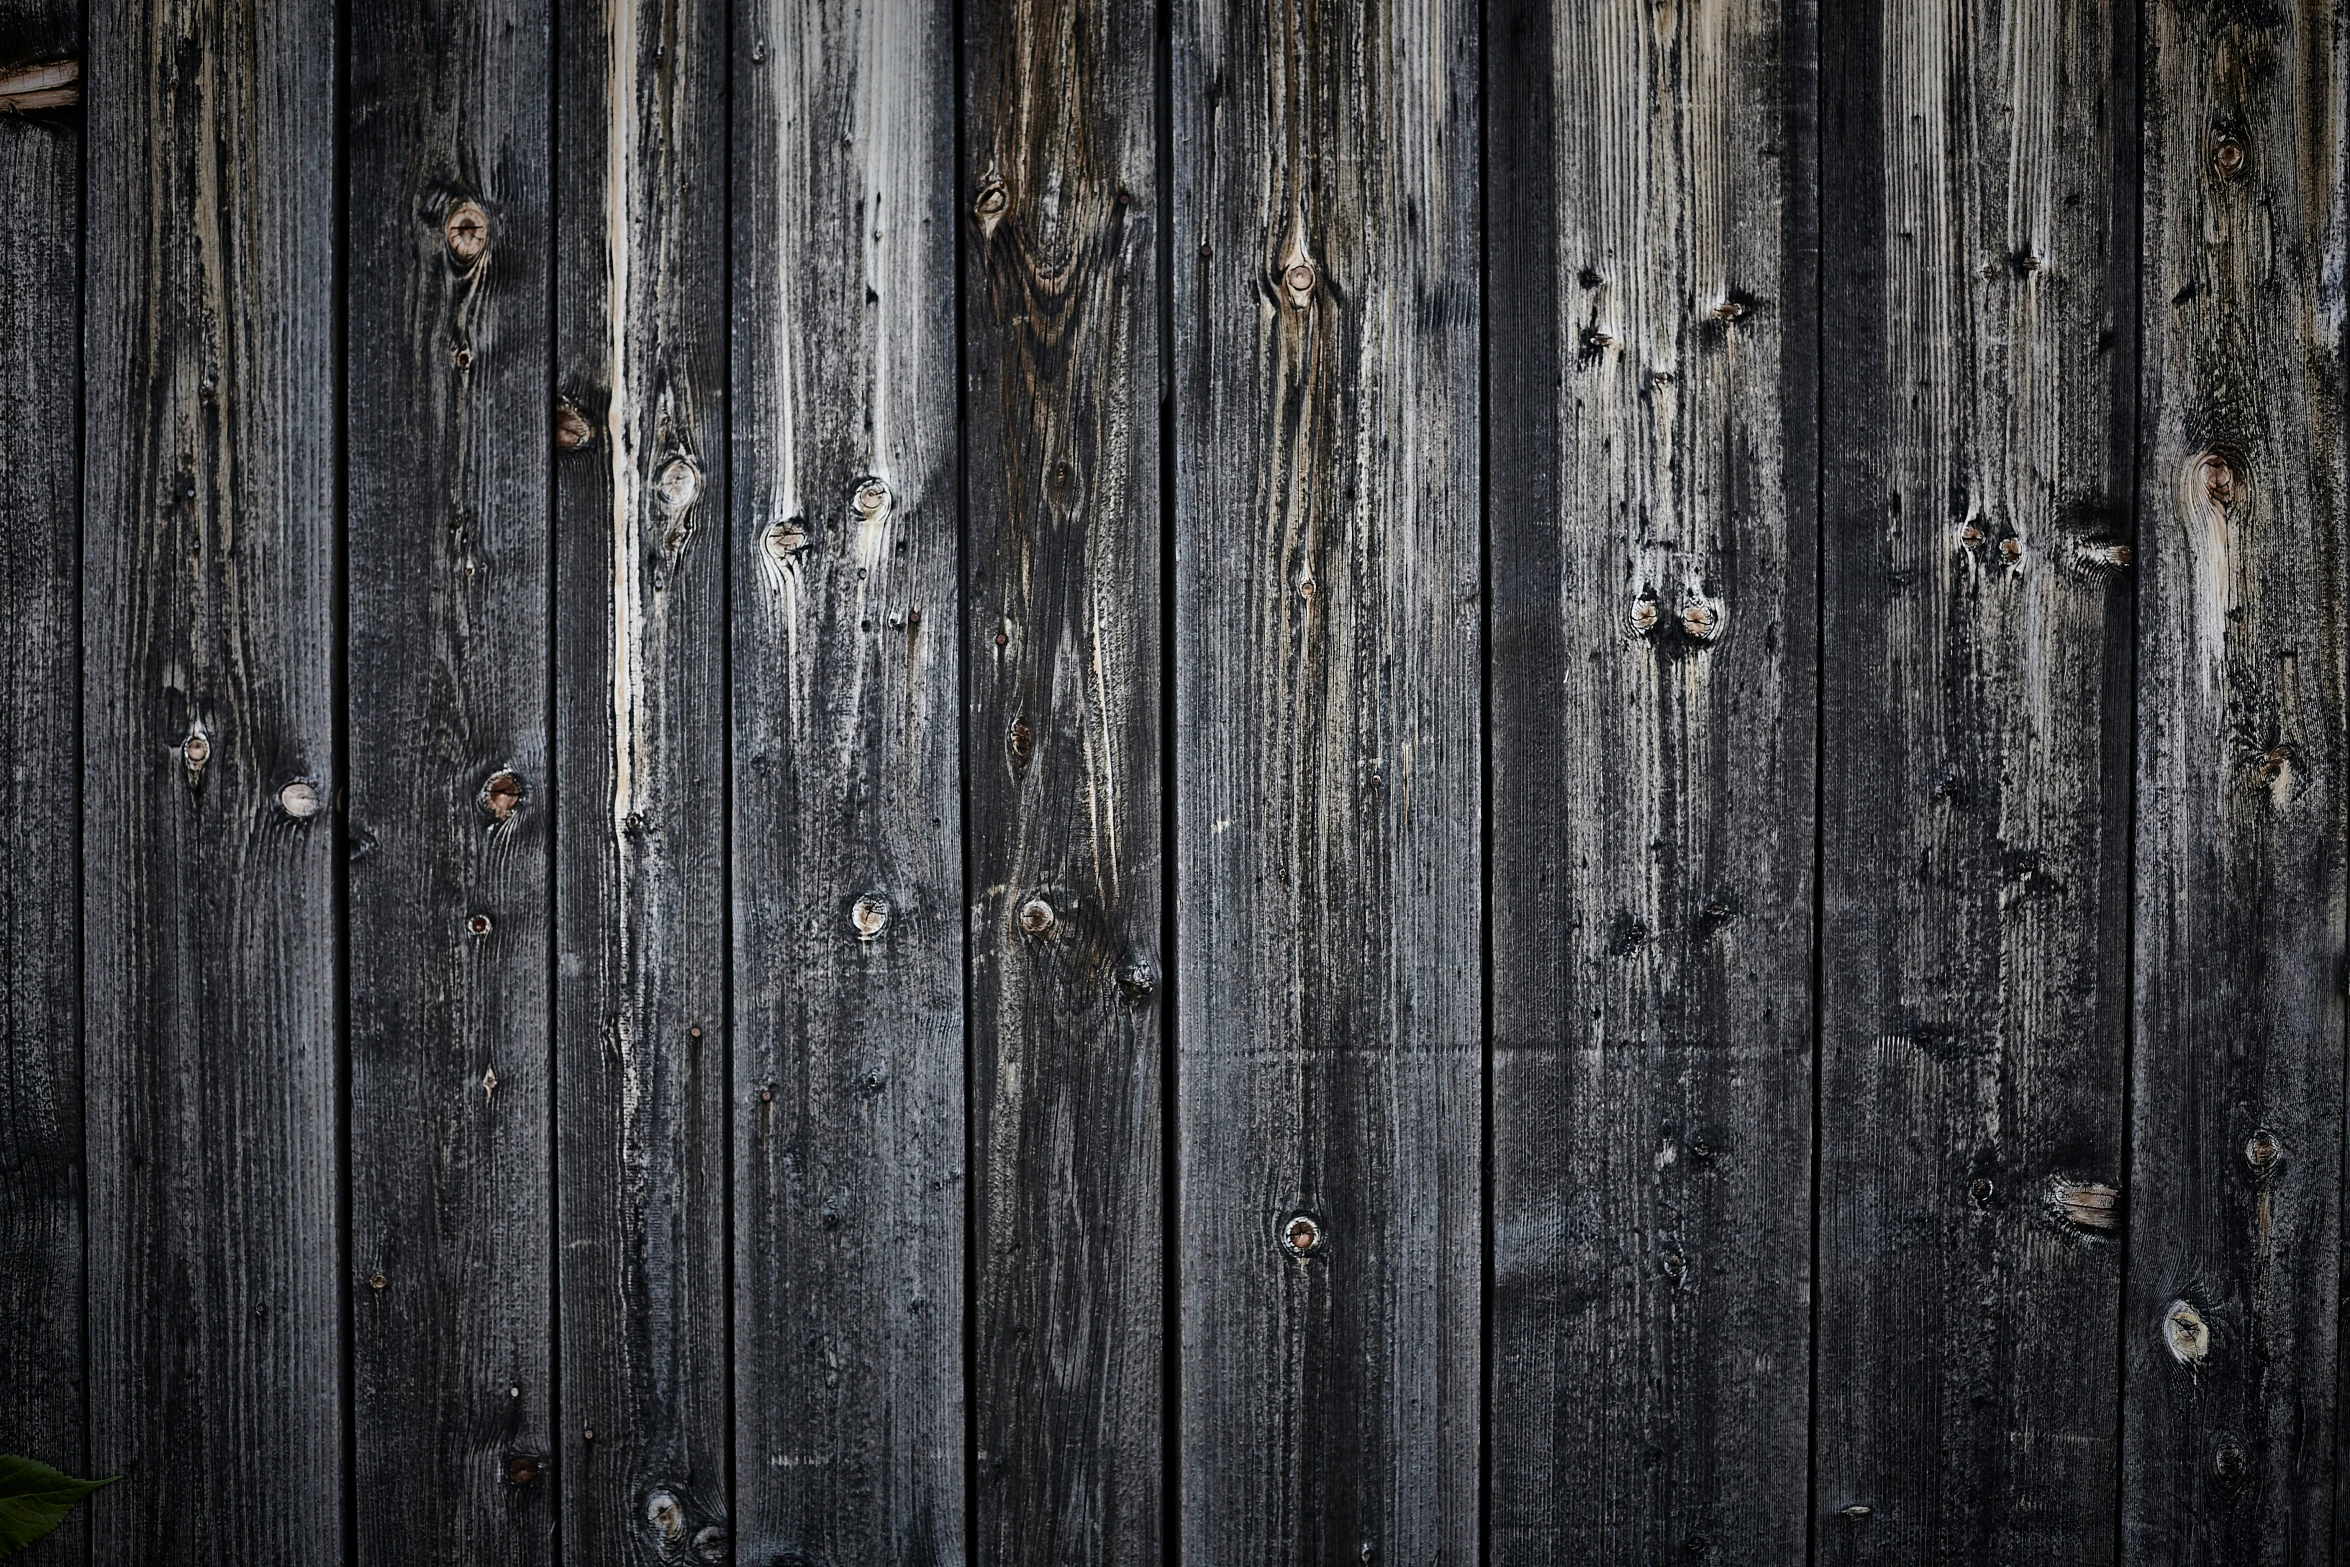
(53, 84)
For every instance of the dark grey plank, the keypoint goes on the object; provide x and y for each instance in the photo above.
(211, 981)
(41, 1216)
(848, 1041)
(640, 432)
(450, 901)
(1326, 754)
(2231, 1320)
(1064, 222)
(1977, 600)
(1651, 315)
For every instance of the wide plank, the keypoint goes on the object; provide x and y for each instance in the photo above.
(211, 990)
(1326, 662)
(848, 1034)
(639, 432)
(2231, 1321)
(1651, 309)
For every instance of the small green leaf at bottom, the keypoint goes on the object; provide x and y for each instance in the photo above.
(35, 1498)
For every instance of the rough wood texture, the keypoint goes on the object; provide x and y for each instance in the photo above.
(848, 972)
(1652, 563)
(2231, 1317)
(448, 565)
(640, 433)
(1063, 220)
(210, 847)
(1326, 668)
(41, 1217)
(1975, 783)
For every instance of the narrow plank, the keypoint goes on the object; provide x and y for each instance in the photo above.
(211, 979)
(640, 431)
(41, 1215)
(1326, 667)
(1061, 755)
(848, 1041)
(450, 896)
(1652, 316)
(1975, 782)
(2231, 1321)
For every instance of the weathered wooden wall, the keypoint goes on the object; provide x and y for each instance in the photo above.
(1083, 781)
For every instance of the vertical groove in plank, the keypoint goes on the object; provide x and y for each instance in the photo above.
(41, 1192)
(1976, 787)
(1327, 763)
(2230, 1322)
(641, 762)
(1651, 302)
(1062, 210)
(210, 984)
(448, 565)
(848, 972)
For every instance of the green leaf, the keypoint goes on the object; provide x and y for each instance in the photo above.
(35, 1498)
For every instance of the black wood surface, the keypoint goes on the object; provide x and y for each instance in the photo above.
(1063, 217)
(450, 902)
(638, 428)
(1975, 741)
(210, 974)
(1650, 195)
(41, 1193)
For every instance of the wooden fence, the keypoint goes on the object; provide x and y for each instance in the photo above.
(832, 782)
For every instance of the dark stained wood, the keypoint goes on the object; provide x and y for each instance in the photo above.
(1063, 221)
(1651, 317)
(642, 775)
(210, 849)
(848, 896)
(450, 902)
(2231, 1321)
(1975, 726)
(41, 1215)
(1326, 755)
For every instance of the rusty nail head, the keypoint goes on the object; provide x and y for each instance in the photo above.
(467, 232)
(571, 428)
(1301, 1235)
(1036, 916)
(521, 1469)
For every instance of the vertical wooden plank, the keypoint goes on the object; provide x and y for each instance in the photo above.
(41, 1216)
(211, 977)
(1977, 602)
(1651, 306)
(848, 971)
(448, 566)
(2231, 1319)
(1327, 764)
(641, 757)
(1062, 756)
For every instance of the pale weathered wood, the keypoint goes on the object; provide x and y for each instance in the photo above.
(1063, 222)
(1326, 756)
(210, 846)
(2231, 1319)
(1976, 606)
(640, 434)
(1651, 311)
(848, 941)
(449, 896)
(41, 1193)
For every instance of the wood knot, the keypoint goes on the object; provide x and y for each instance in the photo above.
(1298, 281)
(1729, 310)
(299, 799)
(710, 1544)
(872, 499)
(2011, 550)
(1644, 616)
(2108, 554)
(785, 540)
(467, 232)
(1700, 621)
(2264, 1152)
(663, 1513)
(478, 924)
(1136, 976)
(2186, 1333)
(992, 202)
(1020, 745)
(376, 1281)
(2088, 1205)
(1037, 917)
(1300, 1236)
(678, 484)
(868, 915)
(571, 428)
(2219, 479)
(195, 751)
(521, 1469)
(2227, 157)
(500, 796)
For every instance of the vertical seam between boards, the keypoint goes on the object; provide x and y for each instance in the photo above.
(1816, 175)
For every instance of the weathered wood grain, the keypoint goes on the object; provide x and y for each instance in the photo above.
(1064, 222)
(211, 977)
(1326, 756)
(1975, 731)
(641, 746)
(848, 940)
(450, 903)
(41, 1214)
(2231, 1319)
(1652, 317)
